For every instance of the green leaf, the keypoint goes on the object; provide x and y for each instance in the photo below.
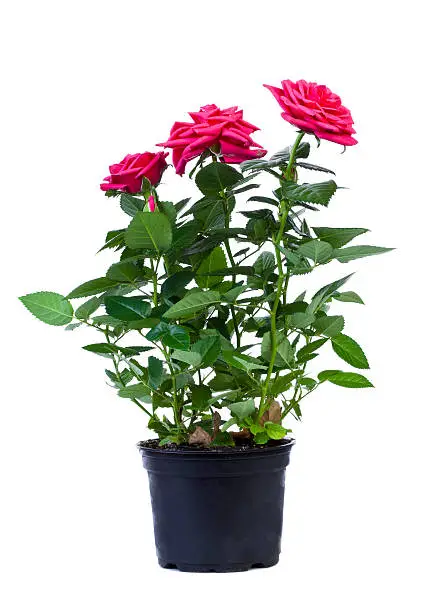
(107, 320)
(201, 395)
(216, 260)
(242, 362)
(190, 357)
(173, 336)
(261, 437)
(129, 351)
(316, 193)
(93, 287)
(102, 348)
(301, 320)
(242, 409)
(203, 245)
(329, 326)
(233, 294)
(223, 438)
(87, 308)
(345, 379)
(72, 326)
(325, 293)
(193, 303)
(297, 264)
(149, 230)
(282, 383)
(146, 323)
(349, 350)
(106, 348)
(307, 382)
(283, 156)
(265, 264)
(119, 381)
(131, 204)
(176, 283)
(275, 431)
(169, 210)
(137, 391)
(124, 271)
(210, 212)
(114, 240)
(316, 250)
(157, 332)
(310, 348)
(223, 382)
(185, 235)
(284, 353)
(262, 200)
(49, 307)
(177, 338)
(254, 164)
(260, 213)
(348, 296)
(181, 204)
(308, 166)
(338, 236)
(256, 428)
(217, 177)
(127, 308)
(356, 252)
(155, 372)
(208, 348)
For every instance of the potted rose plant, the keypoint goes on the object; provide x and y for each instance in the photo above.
(201, 328)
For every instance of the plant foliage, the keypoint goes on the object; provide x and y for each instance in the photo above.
(196, 315)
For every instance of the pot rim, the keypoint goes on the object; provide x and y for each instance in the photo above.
(222, 452)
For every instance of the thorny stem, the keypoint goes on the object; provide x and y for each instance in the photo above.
(280, 281)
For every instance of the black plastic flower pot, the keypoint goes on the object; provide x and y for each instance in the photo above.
(217, 510)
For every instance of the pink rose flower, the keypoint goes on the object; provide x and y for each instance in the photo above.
(225, 131)
(127, 175)
(315, 109)
(151, 203)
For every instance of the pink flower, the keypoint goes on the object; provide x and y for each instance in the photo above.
(225, 131)
(315, 109)
(151, 203)
(127, 175)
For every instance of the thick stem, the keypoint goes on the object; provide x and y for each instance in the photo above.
(280, 281)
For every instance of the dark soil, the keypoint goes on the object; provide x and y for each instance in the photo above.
(240, 446)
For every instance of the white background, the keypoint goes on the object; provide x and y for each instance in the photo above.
(83, 84)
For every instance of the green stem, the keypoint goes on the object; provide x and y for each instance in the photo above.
(155, 302)
(232, 263)
(176, 409)
(280, 281)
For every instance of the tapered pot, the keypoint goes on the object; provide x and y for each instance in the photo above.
(217, 510)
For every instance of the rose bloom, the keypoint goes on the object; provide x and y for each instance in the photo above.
(127, 175)
(315, 109)
(225, 131)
